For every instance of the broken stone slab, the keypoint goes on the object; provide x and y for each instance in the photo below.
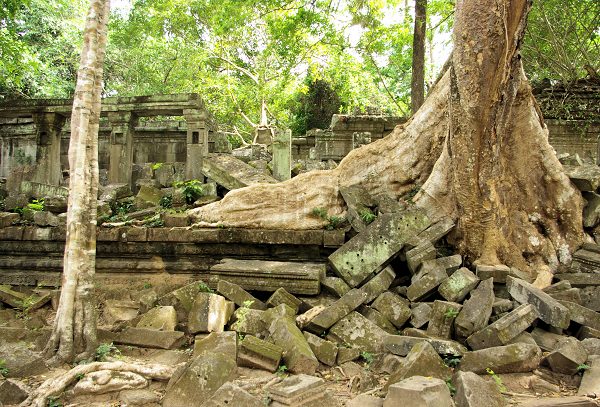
(456, 287)
(567, 357)
(147, 197)
(259, 354)
(585, 177)
(338, 310)
(280, 311)
(436, 231)
(566, 401)
(429, 281)
(347, 355)
(8, 218)
(589, 297)
(591, 211)
(547, 341)
(590, 382)
(586, 332)
(216, 342)
(417, 255)
(401, 345)
(501, 306)
(11, 297)
(499, 272)
(108, 381)
(473, 391)
(392, 307)
(365, 400)
(281, 296)
(551, 311)
(324, 350)
(356, 331)
(335, 286)
(210, 312)
(175, 220)
(112, 192)
(582, 315)
(586, 260)
(420, 314)
(378, 284)
(443, 314)
(13, 392)
(422, 360)
(419, 391)
(39, 190)
(298, 390)
(199, 379)
(513, 358)
(263, 275)
(591, 345)
(580, 279)
(182, 299)
(450, 264)
(476, 311)
(231, 173)
(504, 329)
(572, 295)
(369, 251)
(239, 296)
(161, 318)
(298, 356)
(359, 201)
(21, 361)
(378, 319)
(150, 338)
(231, 395)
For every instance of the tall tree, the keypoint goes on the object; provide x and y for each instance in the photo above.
(74, 332)
(417, 82)
(477, 149)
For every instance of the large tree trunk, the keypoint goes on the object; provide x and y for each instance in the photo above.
(417, 82)
(74, 332)
(477, 147)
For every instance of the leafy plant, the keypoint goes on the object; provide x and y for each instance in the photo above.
(166, 201)
(154, 222)
(36, 205)
(496, 379)
(147, 286)
(156, 166)
(452, 361)
(192, 189)
(367, 357)
(54, 402)
(334, 221)
(320, 213)
(282, 370)
(79, 376)
(202, 287)
(582, 368)
(451, 313)
(367, 215)
(451, 386)
(3, 368)
(106, 349)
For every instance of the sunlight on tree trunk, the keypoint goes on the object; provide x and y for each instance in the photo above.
(74, 332)
(477, 147)
(417, 82)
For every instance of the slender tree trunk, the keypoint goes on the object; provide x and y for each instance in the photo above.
(74, 332)
(477, 149)
(417, 83)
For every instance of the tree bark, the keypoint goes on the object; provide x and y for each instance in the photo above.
(74, 332)
(417, 83)
(477, 149)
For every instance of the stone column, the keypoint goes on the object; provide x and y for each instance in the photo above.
(121, 147)
(48, 127)
(282, 155)
(197, 142)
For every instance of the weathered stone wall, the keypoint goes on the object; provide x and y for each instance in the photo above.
(575, 137)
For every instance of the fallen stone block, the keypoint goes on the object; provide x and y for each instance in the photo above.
(112, 192)
(501, 306)
(298, 356)
(199, 379)
(231, 173)
(335, 286)
(401, 345)
(551, 311)
(298, 390)
(582, 315)
(378, 284)
(436, 231)
(175, 220)
(347, 355)
(504, 329)
(591, 345)
(216, 342)
(259, 354)
(430, 279)
(417, 255)
(420, 314)
(239, 296)
(392, 307)
(162, 318)
(147, 197)
(499, 272)
(11, 297)
(567, 357)
(359, 201)
(365, 400)
(324, 350)
(230, 395)
(419, 391)
(378, 319)
(587, 332)
(13, 392)
(590, 382)
(338, 310)
(248, 321)
(586, 260)
(358, 332)
(567, 401)
(209, 313)
(422, 360)
(513, 358)
(8, 218)
(456, 287)
(585, 177)
(580, 279)
(476, 311)
(369, 251)
(150, 338)
(281, 296)
(473, 391)
(572, 295)
(21, 361)
(547, 341)
(183, 299)
(442, 318)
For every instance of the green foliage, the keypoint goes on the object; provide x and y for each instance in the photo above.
(451, 313)
(53, 402)
(154, 221)
(497, 380)
(582, 368)
(282, 370)
(334, 222)
(156, 166)
(452, 361)
(367, 357)
(451, 386)
(320, 213)
(192, 190)
(3, 369)
(104, 350)
(166, 201)
(367, 215)
(147, 286)
(36, 205)
(23, 159)
(202, 287)
(79, 376)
